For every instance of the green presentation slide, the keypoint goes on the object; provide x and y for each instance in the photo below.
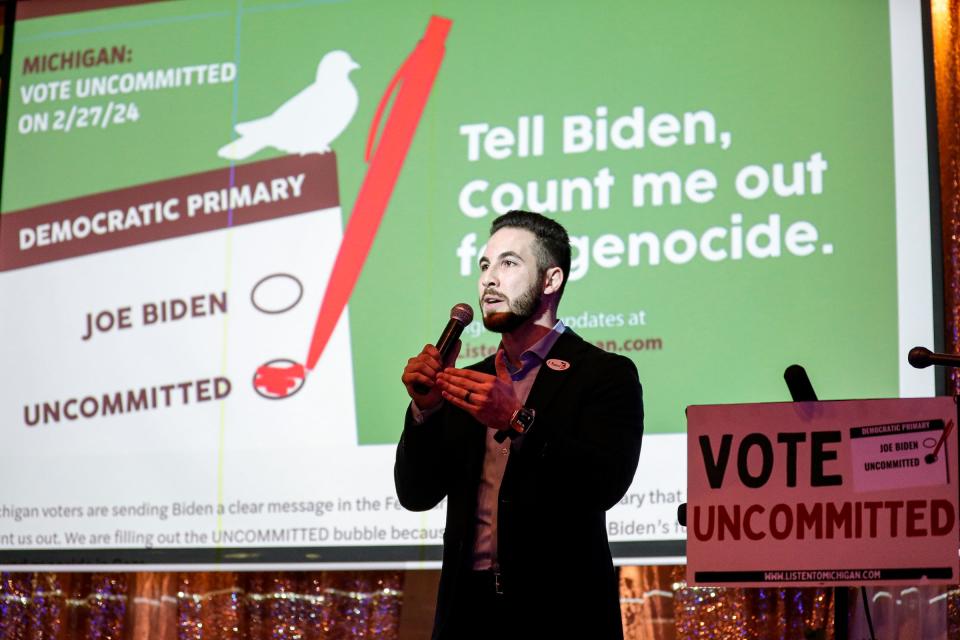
(226, 225)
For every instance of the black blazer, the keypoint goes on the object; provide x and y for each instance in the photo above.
(575, 463)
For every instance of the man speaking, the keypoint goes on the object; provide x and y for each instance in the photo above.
(525, 551)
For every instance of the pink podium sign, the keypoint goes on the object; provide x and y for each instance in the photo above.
(823, 493)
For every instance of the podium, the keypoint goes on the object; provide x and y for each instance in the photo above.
(839, 493)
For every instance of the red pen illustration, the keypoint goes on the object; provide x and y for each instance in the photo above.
(410, 89)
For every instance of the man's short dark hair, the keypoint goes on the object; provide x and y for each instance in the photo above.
(553, 244)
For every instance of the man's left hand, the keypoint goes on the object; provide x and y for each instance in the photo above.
(489, 399)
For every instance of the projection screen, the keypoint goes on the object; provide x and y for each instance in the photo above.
(226, 226)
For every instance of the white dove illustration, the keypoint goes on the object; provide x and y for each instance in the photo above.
(309, 121)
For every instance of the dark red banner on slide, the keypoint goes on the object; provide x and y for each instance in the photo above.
(168, 209)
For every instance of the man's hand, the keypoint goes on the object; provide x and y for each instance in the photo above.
(423, 369)
(489, 399)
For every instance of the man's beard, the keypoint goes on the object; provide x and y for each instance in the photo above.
(521, 310)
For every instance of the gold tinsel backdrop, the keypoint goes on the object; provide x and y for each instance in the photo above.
(655, 602)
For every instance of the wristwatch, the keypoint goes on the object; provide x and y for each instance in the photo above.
(522, 419)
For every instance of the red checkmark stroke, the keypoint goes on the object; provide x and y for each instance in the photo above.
(943, 438)
(412, 82)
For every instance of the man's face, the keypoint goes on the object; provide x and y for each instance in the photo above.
(510, 287)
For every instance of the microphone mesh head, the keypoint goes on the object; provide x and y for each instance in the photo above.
(462, 313)
(919, 357)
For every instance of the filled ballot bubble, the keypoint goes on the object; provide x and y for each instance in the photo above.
(280, 378)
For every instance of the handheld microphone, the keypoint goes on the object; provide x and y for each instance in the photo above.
(921, 358)
(460, 316)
